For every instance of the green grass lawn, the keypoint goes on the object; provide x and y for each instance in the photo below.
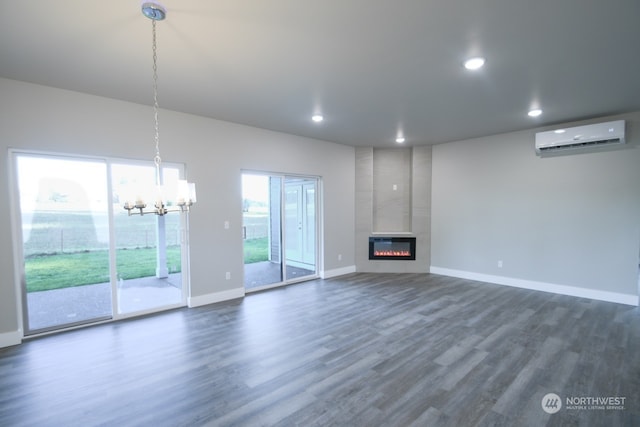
(55, 271)
(256, 250)
(63, 270)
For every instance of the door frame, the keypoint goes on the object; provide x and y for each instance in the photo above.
(18, 243)
(283, 244)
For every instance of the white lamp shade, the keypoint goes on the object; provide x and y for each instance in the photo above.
(192, 192)
(159, 196)
(186, 192)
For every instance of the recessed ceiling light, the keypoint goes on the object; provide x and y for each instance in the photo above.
(534, 113)
(317, 118)
(474, 63)
(400, 139)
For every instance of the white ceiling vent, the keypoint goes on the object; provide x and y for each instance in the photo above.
(580, 137)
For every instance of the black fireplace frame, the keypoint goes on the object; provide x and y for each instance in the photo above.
(391, 240)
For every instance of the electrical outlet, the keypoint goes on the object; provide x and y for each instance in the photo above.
(339, 257)
(228, 275)
(226, 225)
(499, 263)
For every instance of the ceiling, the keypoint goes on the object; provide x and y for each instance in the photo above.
(373, 68)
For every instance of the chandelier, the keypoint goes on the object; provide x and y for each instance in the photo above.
(186, 194)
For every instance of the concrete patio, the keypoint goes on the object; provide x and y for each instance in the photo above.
(50, 309)
(265, 273)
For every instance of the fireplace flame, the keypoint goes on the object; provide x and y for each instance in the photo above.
(391, 253)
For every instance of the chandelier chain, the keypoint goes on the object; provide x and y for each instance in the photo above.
(186, 194)
(157, 158)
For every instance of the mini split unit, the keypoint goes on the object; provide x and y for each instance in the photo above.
(580, 137)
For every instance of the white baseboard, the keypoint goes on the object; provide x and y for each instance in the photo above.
(540, 286)
(7, 339)
(215, 297)
(328, 274)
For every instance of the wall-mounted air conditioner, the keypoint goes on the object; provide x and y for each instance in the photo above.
(580, 137)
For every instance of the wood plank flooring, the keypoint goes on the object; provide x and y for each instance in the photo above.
(358, 350)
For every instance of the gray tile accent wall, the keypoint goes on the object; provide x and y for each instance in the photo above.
(421, 204)
(392, 196)
(381, 210)
(364, 204)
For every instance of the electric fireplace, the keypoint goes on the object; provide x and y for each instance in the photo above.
(392, 248)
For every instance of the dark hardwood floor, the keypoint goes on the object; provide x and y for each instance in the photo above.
(358, 350)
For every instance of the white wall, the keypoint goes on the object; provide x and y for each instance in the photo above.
(569, 224)
(47, 119)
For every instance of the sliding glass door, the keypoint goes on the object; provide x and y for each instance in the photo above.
(65, 241)
(148, 248)
(279, 229)
(262, 232)
(85, 259)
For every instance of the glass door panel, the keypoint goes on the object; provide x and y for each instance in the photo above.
(309, 218)
(293, 222)
(301, 227)
(65, 241)
(262, 198)
(148, 248)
